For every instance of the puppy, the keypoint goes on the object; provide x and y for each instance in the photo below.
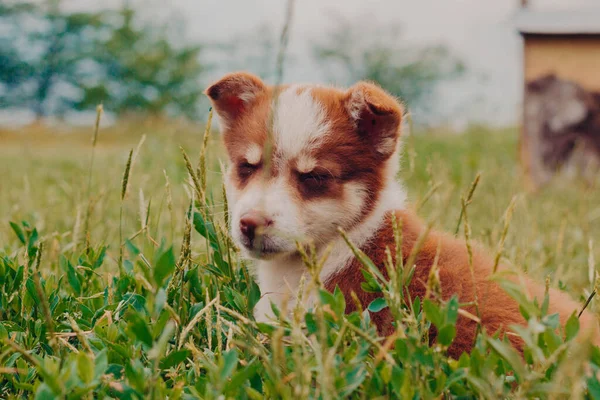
(306, 160)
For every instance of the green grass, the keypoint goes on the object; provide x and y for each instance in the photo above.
(176, 320)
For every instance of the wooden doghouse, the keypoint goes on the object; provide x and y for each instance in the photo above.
(561, 68)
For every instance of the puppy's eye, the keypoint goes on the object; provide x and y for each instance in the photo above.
(314, 181)
(245, 169)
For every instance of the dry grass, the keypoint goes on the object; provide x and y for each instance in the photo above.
(184, 323)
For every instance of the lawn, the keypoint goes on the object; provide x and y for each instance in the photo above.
(168, 313)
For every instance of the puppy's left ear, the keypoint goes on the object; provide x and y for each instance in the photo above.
(376, 115)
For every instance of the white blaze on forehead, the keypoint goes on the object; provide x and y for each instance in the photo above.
(300, 121)
(253, 154)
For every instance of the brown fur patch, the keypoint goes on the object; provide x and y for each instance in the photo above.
(498, 311)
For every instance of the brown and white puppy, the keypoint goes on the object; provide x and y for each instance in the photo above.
(320, 158)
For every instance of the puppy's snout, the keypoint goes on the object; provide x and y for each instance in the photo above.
(252, 224)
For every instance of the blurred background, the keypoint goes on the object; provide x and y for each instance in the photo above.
(454, 62)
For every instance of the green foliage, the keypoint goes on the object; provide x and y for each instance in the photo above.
(121, 338)
(47, 48)
(144, 71)
(178, 323)
(54, 61)
(14, 68)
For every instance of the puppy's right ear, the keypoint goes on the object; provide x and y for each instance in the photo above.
(233, 94)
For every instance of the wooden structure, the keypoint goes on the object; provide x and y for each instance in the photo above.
(561, 68)
(563, 43)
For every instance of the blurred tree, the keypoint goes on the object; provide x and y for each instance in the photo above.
(43, 53)
(14, 70)
(350, 53)
(144, 71)
(53, 60)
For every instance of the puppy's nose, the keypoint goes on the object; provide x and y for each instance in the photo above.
(252, 222)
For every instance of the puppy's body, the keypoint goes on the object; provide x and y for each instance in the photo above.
(306, 160)
(497, 310)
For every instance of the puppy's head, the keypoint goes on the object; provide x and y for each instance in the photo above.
(304, 160)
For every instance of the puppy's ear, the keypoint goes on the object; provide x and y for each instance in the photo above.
(376, 115)
(233, 94)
